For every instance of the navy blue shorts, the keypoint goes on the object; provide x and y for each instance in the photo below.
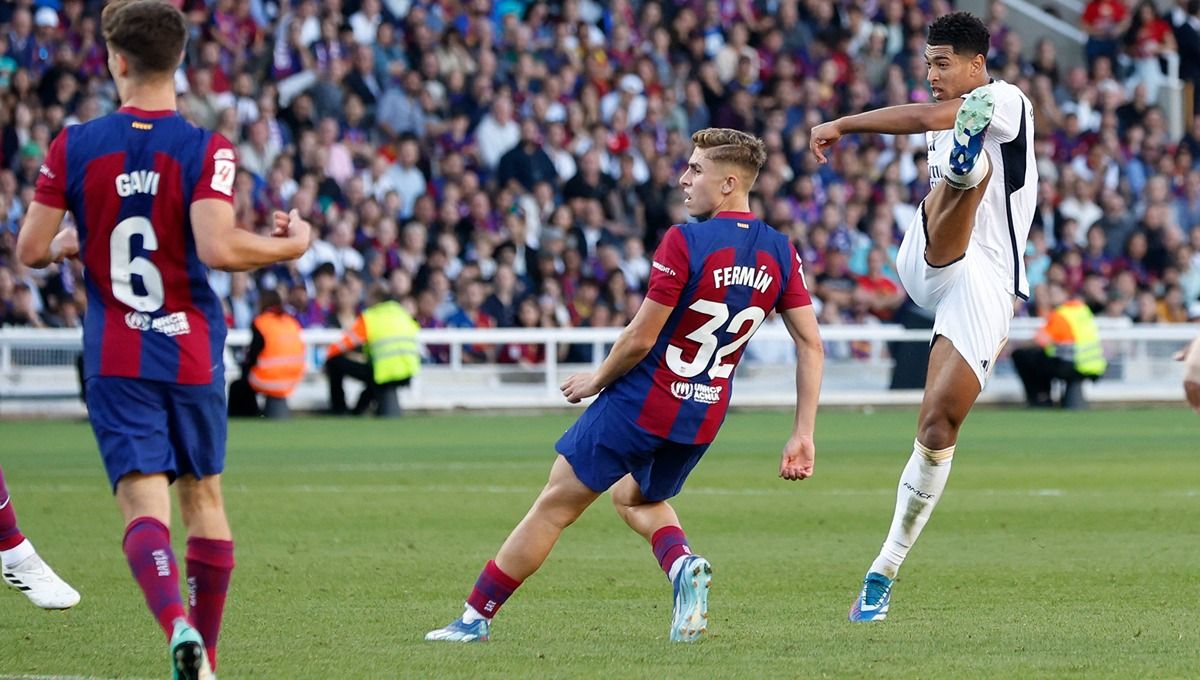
(603, 446)
(149, 426)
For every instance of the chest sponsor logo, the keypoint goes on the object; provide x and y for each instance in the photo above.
(169, 325)
(702, 394)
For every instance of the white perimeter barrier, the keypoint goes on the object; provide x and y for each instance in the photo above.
(38, 376)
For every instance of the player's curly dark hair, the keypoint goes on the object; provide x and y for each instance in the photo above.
(962, 31)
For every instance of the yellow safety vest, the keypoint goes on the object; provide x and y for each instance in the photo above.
(1085, 350)
(392, 342)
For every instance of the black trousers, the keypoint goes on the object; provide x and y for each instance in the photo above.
(243, 401)
(1038, 371)
(338, 368)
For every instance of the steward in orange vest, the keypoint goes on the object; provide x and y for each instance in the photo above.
(274, 362)
(278, 368)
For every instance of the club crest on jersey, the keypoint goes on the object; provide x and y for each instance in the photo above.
(169, 325)
(137, 182)
(702, 394)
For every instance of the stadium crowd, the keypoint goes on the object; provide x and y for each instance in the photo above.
(514, 163)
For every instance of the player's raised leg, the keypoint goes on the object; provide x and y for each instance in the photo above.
(23, 569)
(560, 503)
(950, 391)
(690, 575)
(209, 555)
(950, 207)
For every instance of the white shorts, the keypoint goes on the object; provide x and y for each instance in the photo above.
(972, 305)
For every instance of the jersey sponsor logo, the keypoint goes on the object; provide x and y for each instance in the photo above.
(662, 268)
(169, 325)
(137, 182)
(139, 125)
(701, 394)
(740, 275)
(47, 172)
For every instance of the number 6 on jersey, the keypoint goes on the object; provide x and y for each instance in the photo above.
(124, 266)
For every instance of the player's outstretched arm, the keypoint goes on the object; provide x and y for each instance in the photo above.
(905, 119)
(40, 242)
(634, 343)
(800, 451)
(221, 245)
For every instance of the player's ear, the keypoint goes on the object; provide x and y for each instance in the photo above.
(730, 184)
(120, 62)
(978, 62)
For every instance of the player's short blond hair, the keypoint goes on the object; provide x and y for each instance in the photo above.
(742, 150)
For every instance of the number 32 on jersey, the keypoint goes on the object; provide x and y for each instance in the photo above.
(705, 336)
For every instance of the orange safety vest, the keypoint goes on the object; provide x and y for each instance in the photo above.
(280, 365)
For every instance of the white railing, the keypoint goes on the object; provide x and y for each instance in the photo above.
(37, 371)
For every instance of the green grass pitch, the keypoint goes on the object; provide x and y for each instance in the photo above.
(1067, 545)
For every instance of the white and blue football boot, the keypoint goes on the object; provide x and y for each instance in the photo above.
(460, 631)
(690, 617)
(188, 658)
(872, 602)
(970, 124)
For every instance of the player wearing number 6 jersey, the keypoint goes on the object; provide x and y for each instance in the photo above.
(152, 198)
(665, 387)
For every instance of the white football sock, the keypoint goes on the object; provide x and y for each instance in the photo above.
(471, 615)
(972, 178)
(18, 554)
(921, 485)
(676, 566)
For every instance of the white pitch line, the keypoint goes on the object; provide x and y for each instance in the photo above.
(61, 677)
(700, 490)
(783, 490)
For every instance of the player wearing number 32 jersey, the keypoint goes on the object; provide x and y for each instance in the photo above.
(665, 387)
(152, 199)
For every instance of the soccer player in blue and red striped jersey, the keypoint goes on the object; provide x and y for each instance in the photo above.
(152, 200)
(665, 387)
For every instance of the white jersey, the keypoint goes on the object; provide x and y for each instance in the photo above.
(1004, 216)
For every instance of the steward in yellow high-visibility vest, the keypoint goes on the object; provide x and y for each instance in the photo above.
(387, 335)
(1068, 348)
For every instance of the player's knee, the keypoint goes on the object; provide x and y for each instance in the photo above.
(938, 431)
(198, 498)
(558, 509)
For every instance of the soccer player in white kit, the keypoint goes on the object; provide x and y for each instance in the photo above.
(961, 256)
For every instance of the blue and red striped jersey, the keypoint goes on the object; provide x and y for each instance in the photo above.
(129, 179)
(724, 277)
